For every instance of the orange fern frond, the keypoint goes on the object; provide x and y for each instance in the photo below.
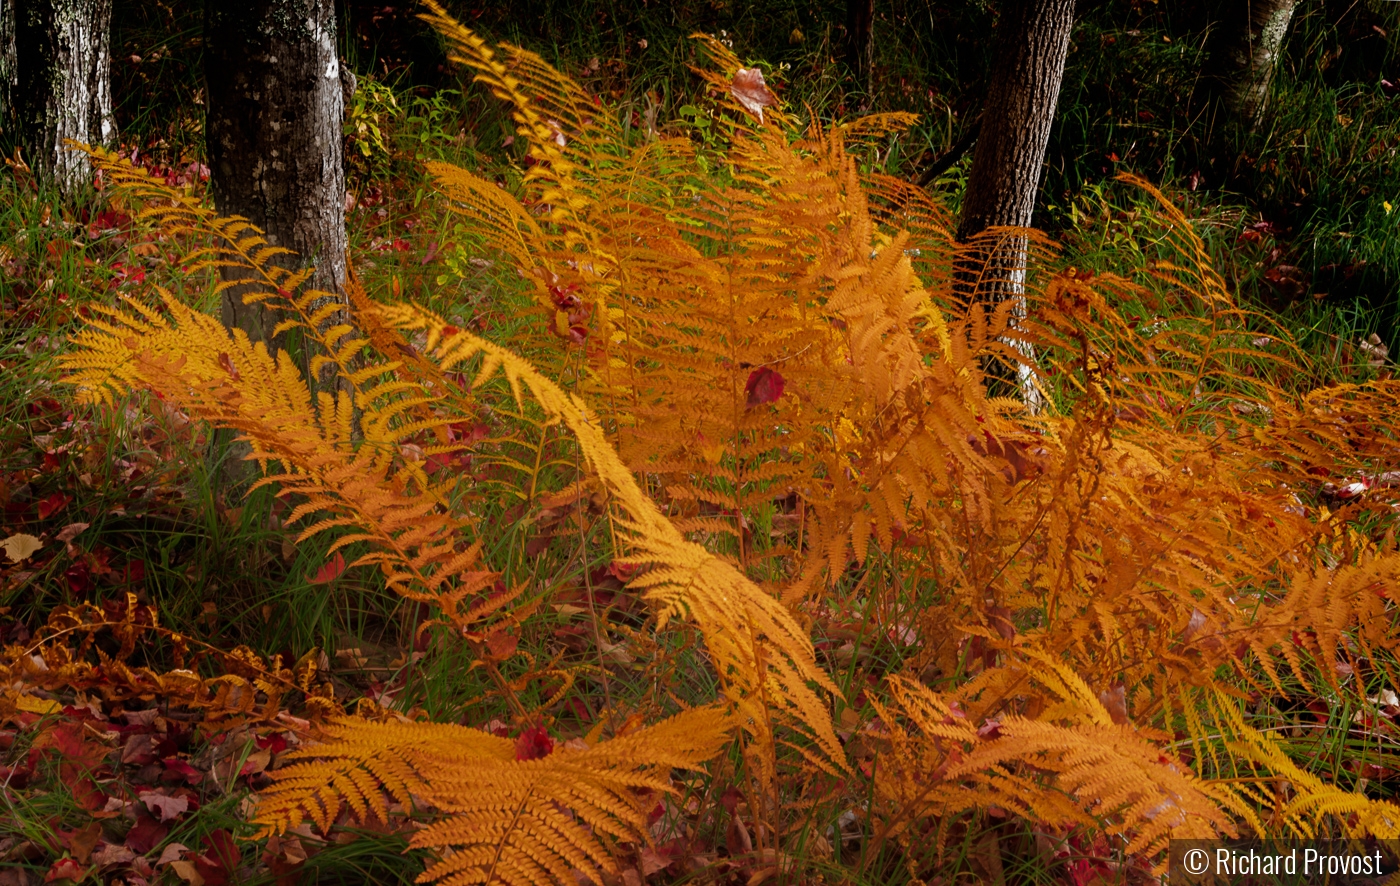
(507, 821)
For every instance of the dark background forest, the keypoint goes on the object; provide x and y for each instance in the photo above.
(1306, 188)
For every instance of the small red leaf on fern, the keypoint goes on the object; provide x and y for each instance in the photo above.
(226, 363)
(533, 744)
(764, 386)
(1116, 703)
(329, 570)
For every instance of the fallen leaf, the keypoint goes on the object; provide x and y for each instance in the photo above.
(284, 857)
(748, 87)
(167, 807)
(653, 861)
(52, 505)
(32, 705)
(65, 869)
(533, 744)
(146, 834)
(330, 570)
(84, 840)
(500, 645)
(1115, 701)
(110, 854)
(178, 770)
(70, 532)
(186, 871)
(255, 762)
(20, 547)
(224, 850)
(737, 840)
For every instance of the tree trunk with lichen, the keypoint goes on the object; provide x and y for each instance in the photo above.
(8, 72)
(61, 83)
(1246, 47)
(274, 111)
(1031, 45)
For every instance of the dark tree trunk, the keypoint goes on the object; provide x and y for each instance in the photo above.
(8, 71)
(1245, 49)
(273, 127)
(860, 42)
(1031, 44)
(62, 84)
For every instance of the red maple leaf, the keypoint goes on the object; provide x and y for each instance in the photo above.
(533, 744)
(329, 570)
(764, 386)
(52, 505)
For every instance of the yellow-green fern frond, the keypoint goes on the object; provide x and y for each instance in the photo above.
(1314, 808)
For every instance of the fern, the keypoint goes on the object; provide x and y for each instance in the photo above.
(757, 323)
(1070, 765)
(361, 485)
(369, 495)
(761, 654)
(510, 822)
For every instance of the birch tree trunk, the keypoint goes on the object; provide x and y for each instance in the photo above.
(1031, 44)
(274, 111)
(62, 84)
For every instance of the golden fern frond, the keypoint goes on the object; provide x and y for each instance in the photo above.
(358, 762)
(540, 821)
(240, 246)
(505, 223)
(1084, 768)
(363, 485)
(762, 656)
(507, 821)
(554, 114)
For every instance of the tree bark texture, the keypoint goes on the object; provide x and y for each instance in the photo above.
(62, 84)
(1247, 45)
(273, 123)
(1031, 43)
(860, 42)
(8, 71)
